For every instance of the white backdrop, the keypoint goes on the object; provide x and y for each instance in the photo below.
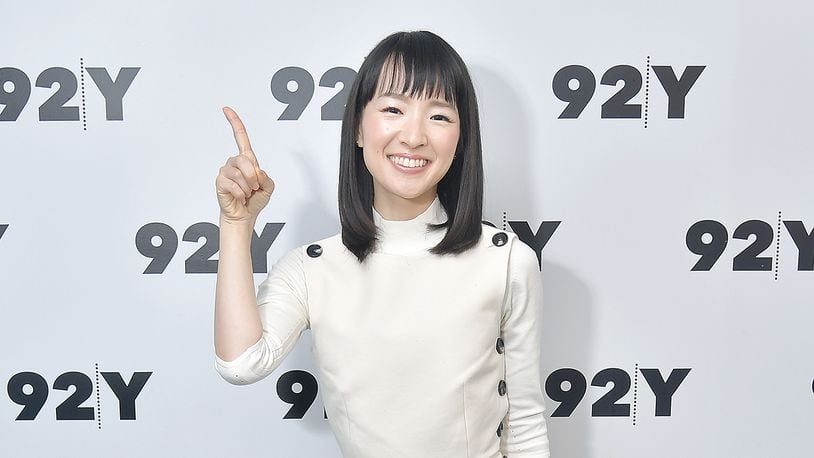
(87, 190)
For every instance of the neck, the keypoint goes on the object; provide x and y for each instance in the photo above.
(411, 236)
(396, 208)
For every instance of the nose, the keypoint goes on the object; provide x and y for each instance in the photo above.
(412, 132)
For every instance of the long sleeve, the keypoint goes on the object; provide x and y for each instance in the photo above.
(526, 434)
(282, 303)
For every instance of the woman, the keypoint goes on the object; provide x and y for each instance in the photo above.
(425, 322)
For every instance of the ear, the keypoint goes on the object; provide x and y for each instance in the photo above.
(359, 141)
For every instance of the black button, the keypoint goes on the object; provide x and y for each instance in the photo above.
(499, 345)
(314, 250)
(501, 388)
(500, 238)
(500, 429)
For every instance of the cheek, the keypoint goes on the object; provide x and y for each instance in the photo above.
(367, 152)
(451, 143)
(375, 133)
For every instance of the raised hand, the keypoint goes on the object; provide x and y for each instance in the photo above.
(243, 188)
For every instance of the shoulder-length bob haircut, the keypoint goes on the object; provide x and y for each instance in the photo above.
(425, 66)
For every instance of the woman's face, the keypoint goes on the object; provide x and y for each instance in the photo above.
(409, 144)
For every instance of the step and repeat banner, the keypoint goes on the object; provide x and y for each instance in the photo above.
(656, 157)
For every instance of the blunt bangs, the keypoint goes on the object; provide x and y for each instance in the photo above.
(416, 77)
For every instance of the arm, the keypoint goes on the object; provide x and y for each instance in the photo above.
(282, 316)
(237, 323)
(526, 434)
(254, 339)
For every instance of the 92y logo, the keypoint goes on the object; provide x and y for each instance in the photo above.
(55, 108)
(298, 95)
(617, 106)
(568, 387)
(71, 408)
(200, 261)
(708, 239)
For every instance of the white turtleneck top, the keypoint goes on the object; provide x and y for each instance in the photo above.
(419, 355)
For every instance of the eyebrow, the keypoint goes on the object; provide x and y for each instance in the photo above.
(435, 102)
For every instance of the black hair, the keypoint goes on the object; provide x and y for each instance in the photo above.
(430, 67)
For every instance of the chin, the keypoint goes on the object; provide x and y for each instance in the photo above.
(406, 193)
(416, 195)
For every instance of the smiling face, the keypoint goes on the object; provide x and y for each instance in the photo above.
(412, 98)
(409, 144)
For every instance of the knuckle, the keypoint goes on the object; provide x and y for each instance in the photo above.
(244, 161)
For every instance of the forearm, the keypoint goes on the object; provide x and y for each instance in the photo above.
(237, 321)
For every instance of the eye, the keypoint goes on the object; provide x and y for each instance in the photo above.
(440, 117)
(393, 110)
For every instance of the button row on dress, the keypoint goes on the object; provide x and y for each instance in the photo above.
(500, 348)
(500, 239)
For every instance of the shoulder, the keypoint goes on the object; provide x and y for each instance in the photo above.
(503, 240)
(325, 252)
(292, 269)
(316, 248)
(521, 258)
(295, 258)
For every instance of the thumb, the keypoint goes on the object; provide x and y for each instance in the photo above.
(266, 183)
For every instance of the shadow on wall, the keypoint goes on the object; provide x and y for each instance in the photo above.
(568, 326)
(506, 137)
(316, 221)
(568, 321)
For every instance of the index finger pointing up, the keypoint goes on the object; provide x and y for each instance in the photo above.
(241, 137)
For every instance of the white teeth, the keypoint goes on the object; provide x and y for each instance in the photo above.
(409, 163)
